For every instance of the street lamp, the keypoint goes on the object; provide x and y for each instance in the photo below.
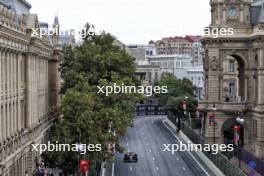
(237, 131)
(184, 107)
(185, 110)
(79, 148)
(212, 121)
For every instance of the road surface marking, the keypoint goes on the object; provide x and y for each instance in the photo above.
(149, 150)
(187, 151)
(127, 143)
(153, 158)
(130, 168)
(183, 168)
(113, 169)
(157, 168)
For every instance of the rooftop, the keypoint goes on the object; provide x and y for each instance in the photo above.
(187, 38)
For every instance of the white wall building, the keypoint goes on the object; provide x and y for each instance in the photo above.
(196, 75)
(178, 65)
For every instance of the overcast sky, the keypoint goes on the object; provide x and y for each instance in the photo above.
(131, 21)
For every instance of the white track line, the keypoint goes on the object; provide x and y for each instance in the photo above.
(113, 169)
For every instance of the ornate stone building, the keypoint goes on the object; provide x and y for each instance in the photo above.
(28, 87)
(234, 74)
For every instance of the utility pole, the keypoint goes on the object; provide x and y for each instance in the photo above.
(212, 122)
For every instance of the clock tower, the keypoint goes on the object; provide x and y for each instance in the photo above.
(231, 13)
(234, 74)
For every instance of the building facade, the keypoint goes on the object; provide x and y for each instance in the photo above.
(196, 75)
(28, 87)
(178, 65)
(145, 72)
(141, 52)
(188, 45)
(183, 57)
(234, 74)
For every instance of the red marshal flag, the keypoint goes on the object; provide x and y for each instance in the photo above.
(84, 166)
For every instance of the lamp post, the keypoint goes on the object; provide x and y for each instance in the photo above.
(237, 131)
(79, 147)
(184, 107)
(212, 121)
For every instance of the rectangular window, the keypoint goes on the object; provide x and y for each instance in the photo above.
(171, 65)
(164, 65)
(232, 88)
(147, 52)
(156, 75)
(255, 128)
(232, 66)
(153, 63)
(178, 64)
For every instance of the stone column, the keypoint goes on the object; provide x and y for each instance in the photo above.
(12, 122)
(28, 90)
(54, 78)
(224, 13)
(19, 71)
(1, 94)
(260, 87)
(16, 93)
(246, 88)
(241, 10)
(8, 92)
(260, 78)
(220, 88)
(35, 92)
(4, 67)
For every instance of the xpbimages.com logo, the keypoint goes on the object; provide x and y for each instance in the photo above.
(182, 147)
(81, 148)
(42, 32)
(123, 89)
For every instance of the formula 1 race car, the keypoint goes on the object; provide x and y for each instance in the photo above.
(130, 157)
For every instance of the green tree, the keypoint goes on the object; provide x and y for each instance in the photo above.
(178, 90)
(86, 115)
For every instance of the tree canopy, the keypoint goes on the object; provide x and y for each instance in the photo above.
(178, 90)
(85, 114)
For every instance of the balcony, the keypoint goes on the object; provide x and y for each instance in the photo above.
(233, 106)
